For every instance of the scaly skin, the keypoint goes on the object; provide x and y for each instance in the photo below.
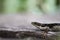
(38, 25)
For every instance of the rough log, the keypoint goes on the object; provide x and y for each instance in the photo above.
(10, 34)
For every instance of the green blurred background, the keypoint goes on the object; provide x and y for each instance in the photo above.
(14, 6)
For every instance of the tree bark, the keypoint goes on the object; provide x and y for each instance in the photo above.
(10, 34)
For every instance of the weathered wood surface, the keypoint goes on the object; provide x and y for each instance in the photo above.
(12, 34)
(19, 22)
(27, 35)
(16, 23)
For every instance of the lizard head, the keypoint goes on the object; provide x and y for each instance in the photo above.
(36, 24)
